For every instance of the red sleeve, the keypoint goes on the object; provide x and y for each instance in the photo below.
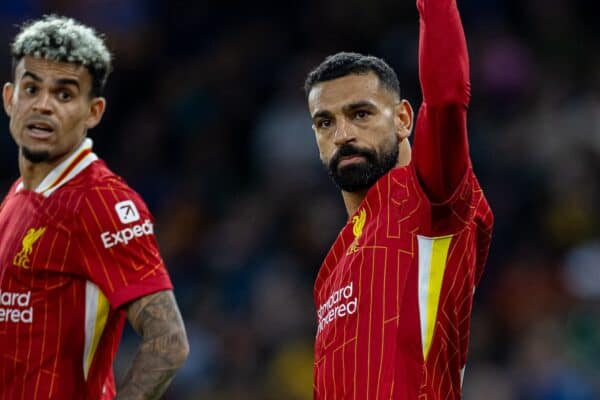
(441, 151)
(117, 244)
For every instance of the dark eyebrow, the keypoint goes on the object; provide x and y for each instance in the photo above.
(60, 82)
(32, 76)
(68, 81)
(358, 105)
(322, 114)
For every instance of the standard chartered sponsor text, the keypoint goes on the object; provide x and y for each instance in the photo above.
(340, 303)
(15, 307)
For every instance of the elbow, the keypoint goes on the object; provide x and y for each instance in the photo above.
(180, 348)
(173, 347)
(185, 351)
(443, 85)
(443, 95)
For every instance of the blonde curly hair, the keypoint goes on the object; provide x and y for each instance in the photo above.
(64, 39)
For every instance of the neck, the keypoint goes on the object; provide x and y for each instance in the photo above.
(353, 199)
(33, 174)
(404, 153)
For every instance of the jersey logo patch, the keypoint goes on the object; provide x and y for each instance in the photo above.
(22, 257)
(357, 229)
(127, 211)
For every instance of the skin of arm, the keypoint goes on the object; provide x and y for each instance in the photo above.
(164, 348)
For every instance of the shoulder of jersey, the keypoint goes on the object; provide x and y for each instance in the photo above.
(13, 187)
(95, 182)
(97, 176)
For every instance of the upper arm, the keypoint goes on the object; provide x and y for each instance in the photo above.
(155, 315)
(441, 150)
(117, 248)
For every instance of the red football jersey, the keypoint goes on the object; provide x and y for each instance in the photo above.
(73, 251)
(395, 291)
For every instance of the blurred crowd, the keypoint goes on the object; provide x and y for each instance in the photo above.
(207, 120)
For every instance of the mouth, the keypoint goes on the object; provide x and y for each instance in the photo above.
(350, 159)
(40, 130)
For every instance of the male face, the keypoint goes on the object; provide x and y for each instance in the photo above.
(50, 108)
(359, 125)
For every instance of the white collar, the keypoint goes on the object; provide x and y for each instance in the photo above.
(79, 160)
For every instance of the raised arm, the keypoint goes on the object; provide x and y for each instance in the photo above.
(163, 349)
(441, 151)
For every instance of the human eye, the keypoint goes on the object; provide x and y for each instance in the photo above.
(64, 95)
(361, 114)
(30, 89)
(324, 123)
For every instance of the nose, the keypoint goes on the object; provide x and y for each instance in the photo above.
(343, 133)
(42, 103)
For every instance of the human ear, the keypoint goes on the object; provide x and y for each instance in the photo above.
(7, 94)
(403, 119)
(97, 107)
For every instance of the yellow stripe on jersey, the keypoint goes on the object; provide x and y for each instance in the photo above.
(96, 315)
(433, 254)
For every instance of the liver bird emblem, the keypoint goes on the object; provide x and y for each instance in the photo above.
(22, 257)
(358, 222)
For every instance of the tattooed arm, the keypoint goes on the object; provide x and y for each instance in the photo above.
(163, 349)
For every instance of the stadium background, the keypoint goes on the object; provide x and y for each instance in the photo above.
(206, 119)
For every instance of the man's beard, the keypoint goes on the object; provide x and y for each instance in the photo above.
(35, 157)
(361, 175)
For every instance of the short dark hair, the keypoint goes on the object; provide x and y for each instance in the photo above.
(63, 39)
(344, 63)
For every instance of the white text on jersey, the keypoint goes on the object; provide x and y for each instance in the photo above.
(123, 236)
(341, 302)
(12, 307)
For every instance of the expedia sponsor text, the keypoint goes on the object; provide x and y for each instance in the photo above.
(110, 239)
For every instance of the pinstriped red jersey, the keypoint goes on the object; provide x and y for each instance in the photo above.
(73, 251)
(394, 293)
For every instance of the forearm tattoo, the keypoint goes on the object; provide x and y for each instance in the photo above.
(163, 349)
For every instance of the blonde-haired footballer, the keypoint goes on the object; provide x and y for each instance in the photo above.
(77, 244)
